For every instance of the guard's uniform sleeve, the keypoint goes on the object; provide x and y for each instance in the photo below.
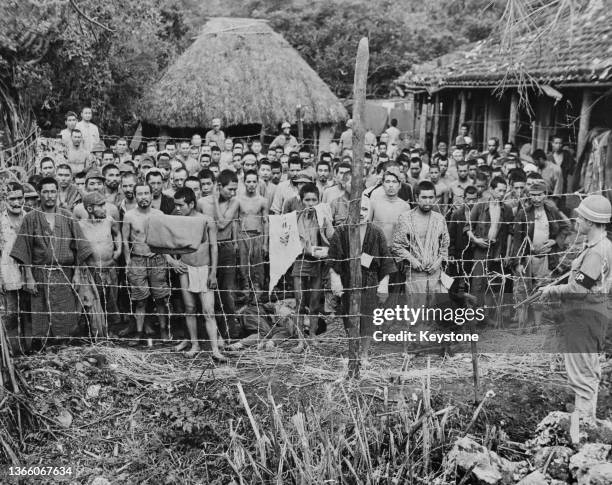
(590, 270)
(584, 279)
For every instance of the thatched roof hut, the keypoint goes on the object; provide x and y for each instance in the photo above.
(243, 72)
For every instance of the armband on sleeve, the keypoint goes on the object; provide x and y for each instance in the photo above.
(585, 281)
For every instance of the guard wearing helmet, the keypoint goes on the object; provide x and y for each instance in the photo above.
(285, 140)
(587, 296)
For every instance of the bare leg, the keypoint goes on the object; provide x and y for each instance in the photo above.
(140, 308)
(162, 317)
(190, 319)
(208, 308)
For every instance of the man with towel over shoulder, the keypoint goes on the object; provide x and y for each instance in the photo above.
(198, 276)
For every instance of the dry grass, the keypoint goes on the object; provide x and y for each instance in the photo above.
(155, 416)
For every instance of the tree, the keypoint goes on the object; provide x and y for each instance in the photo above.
(400, 33)
(62, 55)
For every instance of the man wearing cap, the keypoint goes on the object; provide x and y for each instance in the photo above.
(539, 233)
(146, 164)
(49, 246)
(31, 198)
(285, 140)
(295, 203)
(215, 135)
(587, 295)
(98, 151)
(94, 182)
(104, 236)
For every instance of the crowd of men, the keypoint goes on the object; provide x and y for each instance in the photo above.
(458, 212)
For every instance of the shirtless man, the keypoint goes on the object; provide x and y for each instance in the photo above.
(104, 236)
(222, 206)
(128, 182)
(253, 236)
(207, 182)
(442, 190)
(198, 277)
(146, 271)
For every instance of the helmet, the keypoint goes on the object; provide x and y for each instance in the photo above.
(595, 208)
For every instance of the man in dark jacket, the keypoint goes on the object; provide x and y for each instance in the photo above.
(539, 235)
(489, 232)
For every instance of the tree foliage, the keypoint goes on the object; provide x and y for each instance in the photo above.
(61, 55)
(58, 55)
(400, 33)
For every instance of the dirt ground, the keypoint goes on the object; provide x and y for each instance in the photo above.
(155, 416)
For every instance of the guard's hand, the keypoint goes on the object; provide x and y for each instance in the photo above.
(519, 270)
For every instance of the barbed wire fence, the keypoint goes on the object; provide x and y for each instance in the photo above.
(270, 319)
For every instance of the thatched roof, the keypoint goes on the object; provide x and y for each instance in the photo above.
(243, 72)
(577, 52)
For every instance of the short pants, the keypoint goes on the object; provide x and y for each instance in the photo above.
(197, 279)
(148, 275)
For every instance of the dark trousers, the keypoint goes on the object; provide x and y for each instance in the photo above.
(226, 280)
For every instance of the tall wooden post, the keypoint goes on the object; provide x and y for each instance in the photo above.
(357, 187)
(423, 120)
(2, 162)
(300, 124)
(463, 108)
(453, 122)
(514, 100)
(436, 121)
(585, 121)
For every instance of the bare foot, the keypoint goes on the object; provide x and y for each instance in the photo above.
(219, 357)
(149, 330)
(182, 346)
(298, 349)
(269, 345)
(235, 347)
(195, 350)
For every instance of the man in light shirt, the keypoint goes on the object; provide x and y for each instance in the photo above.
(66, 133)
(90, 132)
(215, 135)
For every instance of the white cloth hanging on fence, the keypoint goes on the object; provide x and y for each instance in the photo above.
(285, 245)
